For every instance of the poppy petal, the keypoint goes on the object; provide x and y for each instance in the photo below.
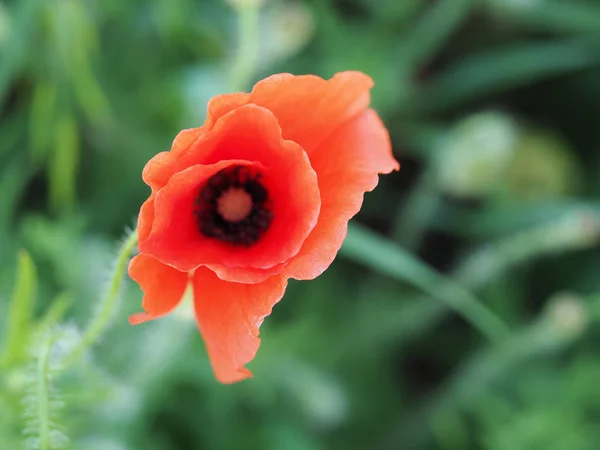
(176, 240)
(145, 218)
(139, 318)
(162, 166)
(162, 285)
(330, 102)
(347, 164)
(229, 316)
(309, 109)
(244, 274)
(224, 104)
(252, 134)
(175, 229)
(158, 170)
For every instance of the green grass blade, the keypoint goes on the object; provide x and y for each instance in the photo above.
(503, 69)
(366, 247)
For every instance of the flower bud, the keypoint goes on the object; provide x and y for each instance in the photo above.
(476, 154)
(581, 229)
(568, 314)
(543, 167)
(290, 27)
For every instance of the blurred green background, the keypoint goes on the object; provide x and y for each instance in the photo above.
(494, 111)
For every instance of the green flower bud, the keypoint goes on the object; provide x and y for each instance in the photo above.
(543, 167)
(290, 27)
(568, 314)
(476, 154)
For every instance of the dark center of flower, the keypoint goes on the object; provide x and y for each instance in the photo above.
(233, 206)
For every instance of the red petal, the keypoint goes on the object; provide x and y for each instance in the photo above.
(244, 274)
(229, 316)
(223, 104)
(139, 318)
(163, 286)
(250, 133)
(309, 109)
(145, 218)
(163, 166)
(175, 238)
(347, 164)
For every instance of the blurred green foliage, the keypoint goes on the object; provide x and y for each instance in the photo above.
(493, 107)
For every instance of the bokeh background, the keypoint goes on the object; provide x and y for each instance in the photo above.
(494, 111)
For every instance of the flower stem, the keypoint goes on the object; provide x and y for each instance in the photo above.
(102, 318)
(368, 248)
(411, 222)
(579, 229)
(477, 376)
(248, 16)
(43, 393)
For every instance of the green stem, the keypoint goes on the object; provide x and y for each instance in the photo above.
(376, 252)
(469, 307)
(43, 393)
(102, 318)
(579, 229)
(432, 31)
(480, 373)
(248, 47)
(412, 220)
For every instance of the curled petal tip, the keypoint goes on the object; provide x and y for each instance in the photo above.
(240, 375)
(138, 318)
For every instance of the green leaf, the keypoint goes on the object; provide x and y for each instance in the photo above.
(14, 176)
(14, 56)
(20, 314)
(63, 165)
(559, 16)
(41, 122)
(502, 69)
(433, 30)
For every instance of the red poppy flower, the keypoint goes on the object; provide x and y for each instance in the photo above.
(261, 193)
